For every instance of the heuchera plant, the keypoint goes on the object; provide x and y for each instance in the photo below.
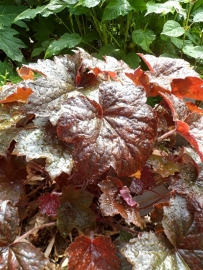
(81, 150)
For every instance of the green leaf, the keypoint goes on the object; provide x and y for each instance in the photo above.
(65, 41)
(10, 44)
(137, 5)
(89, 3)
(8, 14)
(164, 8)
(74, 211)
(194, 52)
(143, 38)
(132, 59)
(198, 17)
(173, 29)
(110, 50)
(29, 13)
(116, 8)
(53, 7)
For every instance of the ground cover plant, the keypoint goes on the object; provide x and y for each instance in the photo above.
(101, 159)
(31, 29)
(83, 157)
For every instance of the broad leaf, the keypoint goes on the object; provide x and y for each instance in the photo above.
(107, 134)
(115, 200)
(198, 17)
(190, 87)
(8, 14)
(182, 231)
(74, 211)
(49, 204)
(41, 142)
(65, 41)
(23, 256)
(89, 3)
(188, 124)
(194, 51)
(161, 73)
(54, 6)
(173, 29)
(17, 255)
(152, 250)
(97, 253)
(165, 8)
(116, 8)
(144, 38)
(10, 44)
(185, 250)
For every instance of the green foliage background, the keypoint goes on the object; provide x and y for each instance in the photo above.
(32, 29)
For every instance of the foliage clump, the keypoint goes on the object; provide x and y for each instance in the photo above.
(81, 149)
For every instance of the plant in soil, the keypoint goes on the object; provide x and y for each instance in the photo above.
(91, 175)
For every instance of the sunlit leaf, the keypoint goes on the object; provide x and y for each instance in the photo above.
(38, 142)
(107, 134)
(173, 29)
(21, 95)
(74, 211)
(25, 73)
(97, 253)
(188, 124)
(162, 71)
(190, 87)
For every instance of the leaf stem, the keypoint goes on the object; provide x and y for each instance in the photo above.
(34, 229)
(164, 136)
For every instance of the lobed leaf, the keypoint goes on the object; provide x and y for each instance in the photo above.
(188, 124)
(162, 72)
(74, 211)
(144, 38)
(114, 201)
(10, 44)
(97, 253)
(41, 142)
(109, 133)
(23, 256)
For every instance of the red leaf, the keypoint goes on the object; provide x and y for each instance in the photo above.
(163, 71)
(188, 124)
(190, 87)
(49, 204)
(25, 73)
(125, 193)
(112, 202)
(109, 133)
(95, 254)
(21, 95)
